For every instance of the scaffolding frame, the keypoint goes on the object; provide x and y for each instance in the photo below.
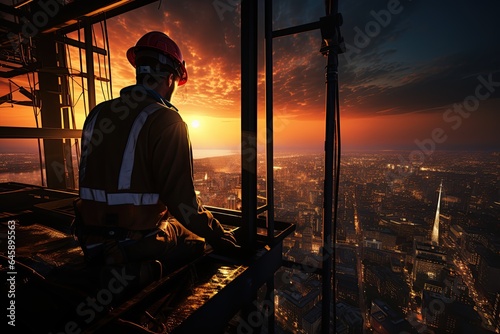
(331, 46)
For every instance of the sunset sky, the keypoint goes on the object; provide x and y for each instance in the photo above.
(412, 70)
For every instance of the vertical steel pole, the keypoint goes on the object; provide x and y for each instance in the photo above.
(268, 28)
(249, 123)
(51, 111)
(331, 150)
(268, 17)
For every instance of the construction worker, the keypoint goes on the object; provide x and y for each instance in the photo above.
(137, 198)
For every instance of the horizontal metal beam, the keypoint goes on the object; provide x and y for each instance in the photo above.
(106, 12)
(262, 209)
(2, 64)
(12, 10)
(81, 45)
(19, 71)
(69, 13)
(296, 29)
(45, 133)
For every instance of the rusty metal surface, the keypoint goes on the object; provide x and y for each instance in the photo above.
(199, 294)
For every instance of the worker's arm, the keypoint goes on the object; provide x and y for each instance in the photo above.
(172, 163)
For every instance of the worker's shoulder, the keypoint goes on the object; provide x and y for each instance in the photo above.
(164, 114)
(123, 108)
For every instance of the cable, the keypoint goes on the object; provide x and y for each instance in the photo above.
(108, 49)
(105, 68)
(78, 99)
(81, 71)
(35, 113)
(68, 52)
(73, 81)
(338, 154)
(336, 187)
(331, 47)
(72, 105)
(98, 63)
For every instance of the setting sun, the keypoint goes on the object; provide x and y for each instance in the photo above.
(195, 124)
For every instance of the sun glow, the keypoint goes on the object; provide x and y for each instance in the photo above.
(195, 124)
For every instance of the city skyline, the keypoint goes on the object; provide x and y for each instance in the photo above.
(390, 275)
(407, 81)
(386, 265)
(411, 243)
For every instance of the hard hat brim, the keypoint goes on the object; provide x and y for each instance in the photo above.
(131, 58)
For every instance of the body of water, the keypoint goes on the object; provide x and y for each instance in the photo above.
(24, 167)
(32, 177)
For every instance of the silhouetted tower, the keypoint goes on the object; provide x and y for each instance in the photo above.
(435, 228)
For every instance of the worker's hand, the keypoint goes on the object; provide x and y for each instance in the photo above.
(225, 243)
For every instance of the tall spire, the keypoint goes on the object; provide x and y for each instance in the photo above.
(435, 228)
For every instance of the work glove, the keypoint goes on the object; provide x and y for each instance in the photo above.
(225, 244)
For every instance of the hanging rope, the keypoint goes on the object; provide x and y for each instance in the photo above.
(36, 113)
(81, 71)
(99, 65)
(72, 104)
(103, 33)
(108, 50)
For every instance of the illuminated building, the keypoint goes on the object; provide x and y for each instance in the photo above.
(447, 314)
(389, 285)
(429, 261)
(350, 317)
(312, 320)
(455, 287)
(237, 190)
(231, 202)
(385, 320)
(435, 227)
(293, 306)
(469, 251)
(496, 311)
(307, 238)
(435, 311)
(401, 226)
(457, 235)
(489, 272)
(377, 256)
(347, 289)
(372, 243)
(383, 239)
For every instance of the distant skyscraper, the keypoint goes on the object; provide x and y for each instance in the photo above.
(385, 320)
(428, 263)
(435, 228)
(231, 202)
(307, 238)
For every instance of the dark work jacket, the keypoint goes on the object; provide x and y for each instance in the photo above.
(136, 164)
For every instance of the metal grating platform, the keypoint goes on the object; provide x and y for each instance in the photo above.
(54, 287)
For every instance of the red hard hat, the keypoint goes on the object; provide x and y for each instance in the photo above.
(160, 42)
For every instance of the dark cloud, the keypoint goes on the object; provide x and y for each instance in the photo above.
(426, 87)
(291, 13)
(412, 66)
(407, 66)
